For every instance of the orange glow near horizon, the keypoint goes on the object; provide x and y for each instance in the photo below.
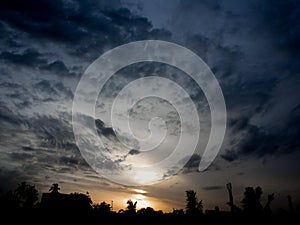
(120, 199)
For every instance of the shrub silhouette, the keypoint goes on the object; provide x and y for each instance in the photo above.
(102, 209)
(26, 194)
(251, 201)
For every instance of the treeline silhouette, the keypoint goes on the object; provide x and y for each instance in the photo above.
(22, 206)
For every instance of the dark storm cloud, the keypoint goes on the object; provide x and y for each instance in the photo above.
(62, 37)
(236, 79)
(30, 58)
(27, 148)
(138, 27)
(20, 156)
(192, 164)
(193, 161)
(41, 19)
(134, 152)
(7, 116)
(52, 149)
(111, 144)
(53, 132)
(46, 46)
(91, 25)
(281, 18)
(9, 85)
(65, 91)
(86, 23)
(258, 142)
(249, 80)
(46, 87)
(106, 131)
(33, 59)
(196, 5)
(53, 89)
(74, 160)
(58, 67)
(222, 60)
(10, 178)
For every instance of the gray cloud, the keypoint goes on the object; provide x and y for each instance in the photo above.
(20, 156)
(251, 46)
(73, 160)
(46, 87)
(7, 116)
(59, 68)
(212, 188)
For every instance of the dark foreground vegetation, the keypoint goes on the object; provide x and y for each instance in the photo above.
(21, 206)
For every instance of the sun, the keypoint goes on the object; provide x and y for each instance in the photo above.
(143, 204)
(141, 201)
(141, 198)
(140, 191)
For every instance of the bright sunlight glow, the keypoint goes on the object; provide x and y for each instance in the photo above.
(146, 177)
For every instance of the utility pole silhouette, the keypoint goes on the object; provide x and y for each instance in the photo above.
(291, 207)
(112, 205)
(230, 203)
(267, 208)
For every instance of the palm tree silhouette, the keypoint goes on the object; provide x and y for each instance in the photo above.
(193, 206)
(131, 207)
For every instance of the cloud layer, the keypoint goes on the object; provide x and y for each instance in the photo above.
(251, 46)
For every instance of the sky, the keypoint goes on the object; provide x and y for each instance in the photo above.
(252, 47)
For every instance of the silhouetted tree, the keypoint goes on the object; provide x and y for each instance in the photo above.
(131, 207)
(267, 208)
(60, 208)
(251, 201)
(193, 206)
(103, 208)
(121, 211)
(54, 189)
(149, 211)
(26, 194)
(178, 212)
(8, 201)
(80, 201)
